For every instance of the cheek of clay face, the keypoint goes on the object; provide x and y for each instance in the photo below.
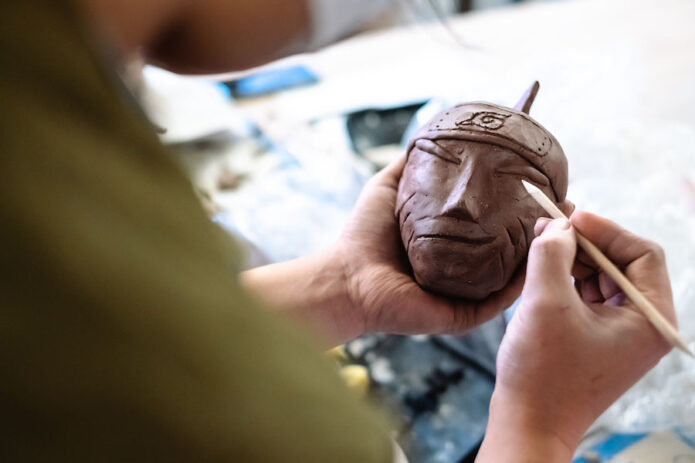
(466, 221)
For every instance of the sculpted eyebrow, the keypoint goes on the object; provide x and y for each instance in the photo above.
(437, 149)
(530, 172)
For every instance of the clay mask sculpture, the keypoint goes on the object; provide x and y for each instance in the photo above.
(465, 219)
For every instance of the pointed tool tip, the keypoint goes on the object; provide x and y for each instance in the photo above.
(685, 349)
(531, 188)
(678, 342)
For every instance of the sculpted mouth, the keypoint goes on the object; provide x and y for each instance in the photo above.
(458, 238)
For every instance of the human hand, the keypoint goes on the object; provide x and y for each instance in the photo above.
(572, 350)
(380, 285)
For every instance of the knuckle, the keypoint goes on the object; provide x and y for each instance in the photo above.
(656, 250)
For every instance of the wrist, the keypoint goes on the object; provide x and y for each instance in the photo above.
(346, 279)
(333, 277)
(520, 432)
(314, 291)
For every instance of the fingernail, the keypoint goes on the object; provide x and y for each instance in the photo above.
(617, 300)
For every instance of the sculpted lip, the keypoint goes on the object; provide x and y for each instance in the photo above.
(446, 228)
(459, 238)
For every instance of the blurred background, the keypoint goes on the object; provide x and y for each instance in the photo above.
(279, 155)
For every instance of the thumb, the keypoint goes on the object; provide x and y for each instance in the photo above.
(391, 174)
(550, 260)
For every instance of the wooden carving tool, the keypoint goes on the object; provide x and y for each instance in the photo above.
(646, 307)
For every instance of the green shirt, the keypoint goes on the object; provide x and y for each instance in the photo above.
(124, 335)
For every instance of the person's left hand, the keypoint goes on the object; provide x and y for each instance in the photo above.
(379, 283)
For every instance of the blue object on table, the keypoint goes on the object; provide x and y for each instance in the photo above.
(271, 81)
(612, 446)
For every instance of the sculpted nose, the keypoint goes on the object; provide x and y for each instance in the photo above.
(465, 201)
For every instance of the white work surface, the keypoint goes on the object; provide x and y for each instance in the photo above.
(617, 90)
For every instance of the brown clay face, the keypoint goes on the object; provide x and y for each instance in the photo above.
(466, 220)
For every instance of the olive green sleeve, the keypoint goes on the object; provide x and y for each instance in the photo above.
(123, 334)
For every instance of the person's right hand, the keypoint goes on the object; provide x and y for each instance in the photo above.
(572, 349)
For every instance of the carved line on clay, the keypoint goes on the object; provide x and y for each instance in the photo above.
(514, 241)
(400, 209)
(410, 240)
(436, 149)
(487, 120)
(511, 237)
(473, 133)
(460, 239)
(405, 218)
(523, 230)
(522, 115)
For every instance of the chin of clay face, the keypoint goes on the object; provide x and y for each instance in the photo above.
(466, 220)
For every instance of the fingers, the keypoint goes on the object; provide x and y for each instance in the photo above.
(550, 260)
(461, 316)
(643, 261)
(589, 290)
(618, 244)
(391, 174)
(566, 207)
(495, 303)
(617, 300)
(584, 266)
(421, 312)
(600, 288)
(593, 284)
(607, 286)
